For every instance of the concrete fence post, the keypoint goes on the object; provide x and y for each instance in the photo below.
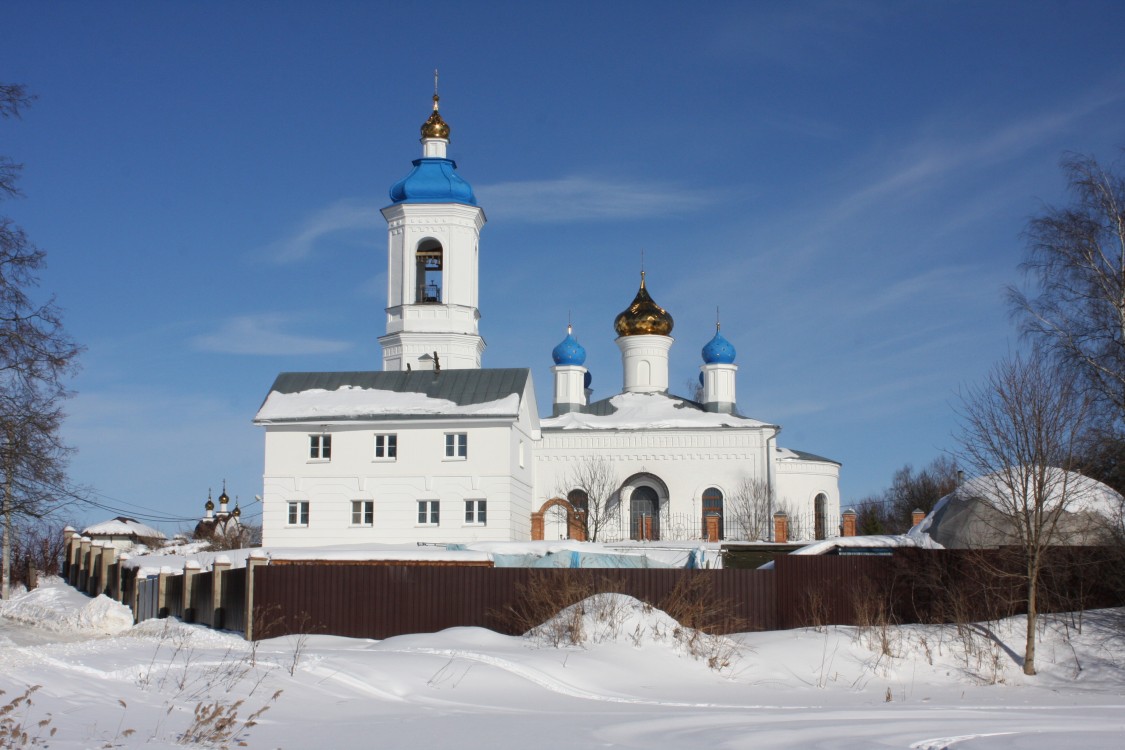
(848, 522)
(119, 578)
(105, 567)
(257, 559)
(69, 535)
(162, 592)
(83, 563)
(191, 570)
(781, 527)
(220, 566)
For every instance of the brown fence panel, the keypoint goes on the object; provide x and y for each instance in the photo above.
(201, 605)
(233, 613)
(173, 597)
(382, 601)
(817, 590)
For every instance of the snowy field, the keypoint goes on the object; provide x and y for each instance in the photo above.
(638, 681)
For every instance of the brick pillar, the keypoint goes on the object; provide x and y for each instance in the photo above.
(917, 516)
(576, 525)
(220, 566)
(781, 527)
(257, 559)
(711, 521)
(848, 523)
(537, 526)
(191, 570)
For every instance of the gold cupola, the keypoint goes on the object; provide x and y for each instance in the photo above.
(644, 317)
(435, 127)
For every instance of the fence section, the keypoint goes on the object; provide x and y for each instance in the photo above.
(386, 600)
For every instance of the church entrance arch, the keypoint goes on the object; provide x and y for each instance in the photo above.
(647, 496)
(575, 520)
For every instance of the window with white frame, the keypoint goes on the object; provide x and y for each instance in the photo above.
(299, 513)
(429, 513)
(476, 512)
(320, 447)
(386, 447)
(363, 512)
(456, 445)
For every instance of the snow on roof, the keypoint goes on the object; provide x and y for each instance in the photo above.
(122, 526)
(635, 411)
(788, 454)
(361, 395)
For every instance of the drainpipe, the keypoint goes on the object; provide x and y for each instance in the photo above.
(771, 478)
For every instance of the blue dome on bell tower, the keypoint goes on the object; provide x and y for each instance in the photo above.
(569, 351)
(718, 351)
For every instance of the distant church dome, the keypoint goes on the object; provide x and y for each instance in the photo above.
(644, 316)
(718, 351)
(569, 351)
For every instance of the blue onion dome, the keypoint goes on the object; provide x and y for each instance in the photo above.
(569, 352)
(433, 180)
(718, 350)
(643, 317)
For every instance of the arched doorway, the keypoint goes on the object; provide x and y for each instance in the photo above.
(713, 505)
(644, 514)
(576, 527)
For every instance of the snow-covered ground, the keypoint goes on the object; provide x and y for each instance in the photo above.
(637, 681)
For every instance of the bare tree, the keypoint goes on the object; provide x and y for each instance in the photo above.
(919, 490)
(590, 486)
(748, 509)
(1077, 261)
(1020, 432)
(36, 355)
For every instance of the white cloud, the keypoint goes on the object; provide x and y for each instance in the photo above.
(264, 334)
(347, 215)
(584, 198)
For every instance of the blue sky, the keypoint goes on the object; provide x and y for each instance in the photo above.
(846, 181)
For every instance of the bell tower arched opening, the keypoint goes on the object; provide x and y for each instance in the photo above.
(429, 264)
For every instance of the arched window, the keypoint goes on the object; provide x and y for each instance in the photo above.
(820, 508)
(579, 500)
(644, 514)
(428, 270)
(713, 505)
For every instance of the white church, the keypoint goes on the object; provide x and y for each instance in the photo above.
(436, 448)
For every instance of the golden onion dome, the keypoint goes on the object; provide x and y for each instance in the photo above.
(644, 317)
(210, 504)
(435, 127)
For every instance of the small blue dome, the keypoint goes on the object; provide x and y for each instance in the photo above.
(569, 352)
(433, 181)
(718, 351)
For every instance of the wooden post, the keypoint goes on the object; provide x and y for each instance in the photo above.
(781, 527)
(848, 520)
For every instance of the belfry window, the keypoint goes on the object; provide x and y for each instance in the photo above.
(428, 272)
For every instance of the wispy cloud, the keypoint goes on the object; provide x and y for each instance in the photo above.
(569, 199)
(264, 334)
(340, 218)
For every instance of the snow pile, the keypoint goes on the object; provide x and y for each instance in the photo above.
(638, 411)
(349, 402)
(58, 607)
(620, 619)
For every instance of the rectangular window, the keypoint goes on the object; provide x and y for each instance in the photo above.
(386, 447)
(320, 447)
(476, 512)
(363, 512)
(429, 513)
(456, 445)
(299, 513)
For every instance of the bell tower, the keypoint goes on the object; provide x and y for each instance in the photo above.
(433, 237)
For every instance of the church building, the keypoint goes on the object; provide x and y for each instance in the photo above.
(436, 448)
